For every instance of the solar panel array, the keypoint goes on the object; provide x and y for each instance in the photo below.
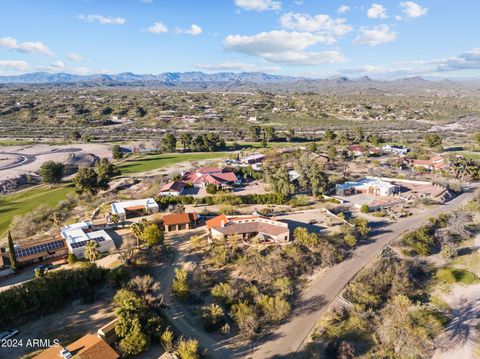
(82, 243)
(41, 248)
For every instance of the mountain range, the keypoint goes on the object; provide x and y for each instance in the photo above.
(244, 81)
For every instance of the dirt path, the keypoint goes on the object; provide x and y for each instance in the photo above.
(461, 337)
(177, 313)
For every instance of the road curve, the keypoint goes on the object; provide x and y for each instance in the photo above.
(290, 337)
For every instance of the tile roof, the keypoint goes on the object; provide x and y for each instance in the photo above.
(217, 221)
(174, 186)
(89, 346)
(179, 218)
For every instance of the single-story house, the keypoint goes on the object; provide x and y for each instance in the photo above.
(211, 175)
(79, 234)
(134, 208)
(89, 346)
(370, 185)
(432, 164)
(248, 227)
(356, 150)
(36, 252)
(179, 221)
(174, 188)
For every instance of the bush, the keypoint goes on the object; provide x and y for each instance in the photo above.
(43, 295)
(365, 208)
(180, 287)
(213, 317)
(71, 258)
(187, 349)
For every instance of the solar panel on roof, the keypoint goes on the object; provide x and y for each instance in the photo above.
(83, 243)
(40, 248)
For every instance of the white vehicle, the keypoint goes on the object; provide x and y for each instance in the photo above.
(65, 353)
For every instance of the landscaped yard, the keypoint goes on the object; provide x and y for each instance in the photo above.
(153, 162)
(27, 200)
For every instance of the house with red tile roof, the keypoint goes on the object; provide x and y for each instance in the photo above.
(211, 175)
(266, 230)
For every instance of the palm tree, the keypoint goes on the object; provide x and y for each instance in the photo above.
(91, 251)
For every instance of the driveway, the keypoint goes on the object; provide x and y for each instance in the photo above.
(322, 291)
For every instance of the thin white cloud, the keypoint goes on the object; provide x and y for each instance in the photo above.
(343, 9)
(25, 47)
(468, 61)
(376, 35)
(72, 56)
(305, 58)
(15, 65)
(377, 11)
(283, 47)
(158, 28)
(258, 5)
(412, 9)
(59, 66)
(237, 66)
(104, 20)
(323, 24)
(193, 30)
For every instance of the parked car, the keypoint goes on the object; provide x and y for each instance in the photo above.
(8, 334)
(44, 267)
(65, 353)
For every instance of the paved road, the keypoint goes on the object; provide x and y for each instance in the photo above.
(321, 292)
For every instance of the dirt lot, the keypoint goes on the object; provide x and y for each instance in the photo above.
(40, 153)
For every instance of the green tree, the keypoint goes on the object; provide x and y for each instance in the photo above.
(86, 181)
(188, 349)
(169, 143)
(11, 252)
(151, 235)
(51, 172)
(364, 208)
(107, 170)
(433, 140)
(167, 340)
(133, 315)
(180, 286)
(399, 331)
(330, 135)
(186, 139)
(91, 251)
(359, 134)
(117, 152)
(273, 309)
(255, 132)
(135, 341)
(213, 317)
(331, 153)
(245, 317)
(269, 133)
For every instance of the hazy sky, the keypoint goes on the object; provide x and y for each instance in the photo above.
(296, 37)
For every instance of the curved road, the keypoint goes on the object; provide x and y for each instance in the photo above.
(291, 336)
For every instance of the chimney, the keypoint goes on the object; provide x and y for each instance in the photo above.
(222, 223)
